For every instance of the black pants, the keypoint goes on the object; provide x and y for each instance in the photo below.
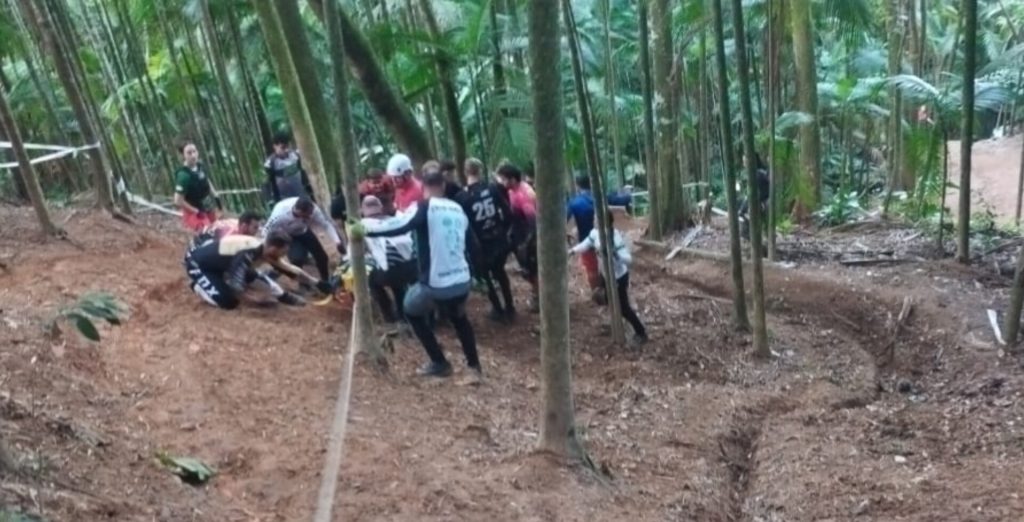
(493, 269)
(305, 244)
(622, 286)
(210, 286)
(418, 304)
(397, 279)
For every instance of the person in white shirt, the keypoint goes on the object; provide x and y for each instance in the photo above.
(296, 217)
(392, 262)
(443, 238)
(621, 259)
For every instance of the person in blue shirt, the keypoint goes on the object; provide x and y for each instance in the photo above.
(581, 210)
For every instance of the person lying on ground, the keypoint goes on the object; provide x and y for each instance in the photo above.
(523, 233)
(297, 217)
(581, 210)
(220, 270)
(442, 233)
(248, 224)
(390, 261)
(486, 204)
(193, 192)
(285, 175)
(377, 184)
(408, 190)
(621, 259)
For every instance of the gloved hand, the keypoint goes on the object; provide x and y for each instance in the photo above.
(356, 230)
(291, 299)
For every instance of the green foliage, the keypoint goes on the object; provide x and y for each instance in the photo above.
(191, 470)
(84, 314)
(842, 208)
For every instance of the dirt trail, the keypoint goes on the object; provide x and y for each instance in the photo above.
(995, 172)
(687, 428)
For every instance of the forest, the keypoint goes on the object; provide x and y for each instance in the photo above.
(822, 200)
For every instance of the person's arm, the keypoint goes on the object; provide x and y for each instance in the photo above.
(583, 246)
(282, 265)
(328, 226)
(268, 167)
(304, 178)
(473, 250)
(400, 224)
(241, 264)
(622, 252)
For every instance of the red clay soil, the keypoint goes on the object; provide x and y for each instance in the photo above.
(688, 427)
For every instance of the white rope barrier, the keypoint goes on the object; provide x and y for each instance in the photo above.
(59, 151)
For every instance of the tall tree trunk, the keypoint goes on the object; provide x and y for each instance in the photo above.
(807, 101)
(596, 177)
(739, 303)
(970, 17)
(65, 72)
(742, 77)
(611, 87)
(668, 215)
(259, 114)
(557, 423)
(378, 89)
(295, 102)
(773, 108)
(653, 189)
(446, 76)
(27, 171)
(1011, 323)
(302, 58)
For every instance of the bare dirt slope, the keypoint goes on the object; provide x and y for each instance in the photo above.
(995, 171)
(686, 428)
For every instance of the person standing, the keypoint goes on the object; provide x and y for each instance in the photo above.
(443, 238)
(296, 217)
(375, 183)
(408, 189)
(193, 192)
(621, 259)
(486, 204)
(285, 175)
(523, 204)
(581, 211)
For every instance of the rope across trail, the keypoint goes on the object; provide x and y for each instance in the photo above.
(339, 425)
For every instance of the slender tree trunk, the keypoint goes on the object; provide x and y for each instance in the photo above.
(1011, 323)
(66, 74)
(739, 309)
(761, 348)
(295, 102)
(963, 244)
(305, 69)
(259, 114)
(497, 60)
(610, 85)
(605, 232)
(772, 89)
(807, 101)
(667, 214)
(557, 424)
(446, 76)
(378, 89)
(653, 190)
(27, 171)
(1020, 182)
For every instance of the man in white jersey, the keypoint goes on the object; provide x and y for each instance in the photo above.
(443, 237)
(295, 217)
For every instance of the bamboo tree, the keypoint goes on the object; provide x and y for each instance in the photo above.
(26, 170)
(667, 142)
(807, 100)
(1011, 323)
(761, 348)
(295, 103)
(653, 188)
(446, 76)
(611, 88)
(305, 69)
(557, 424)
(605, 232)
(739, 303)
(773, 110)
(970, 17)
(65, 72)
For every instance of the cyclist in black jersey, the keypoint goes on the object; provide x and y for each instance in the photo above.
(490, 217)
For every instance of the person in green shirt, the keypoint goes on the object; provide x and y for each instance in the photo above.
(193, 192)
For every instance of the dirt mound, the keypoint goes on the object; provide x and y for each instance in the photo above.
(687, 428)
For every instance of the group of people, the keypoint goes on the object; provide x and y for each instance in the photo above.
(428, 239)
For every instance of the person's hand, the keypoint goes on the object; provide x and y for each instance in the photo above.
(356, 230)
(324, 287)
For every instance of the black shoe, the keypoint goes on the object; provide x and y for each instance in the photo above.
(474, 376)
(640, 340)
(291, 299)
(434, 369)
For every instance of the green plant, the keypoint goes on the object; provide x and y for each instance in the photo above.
(842, 208)
(84, 313)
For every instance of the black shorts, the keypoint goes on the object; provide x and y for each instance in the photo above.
(210, 286)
